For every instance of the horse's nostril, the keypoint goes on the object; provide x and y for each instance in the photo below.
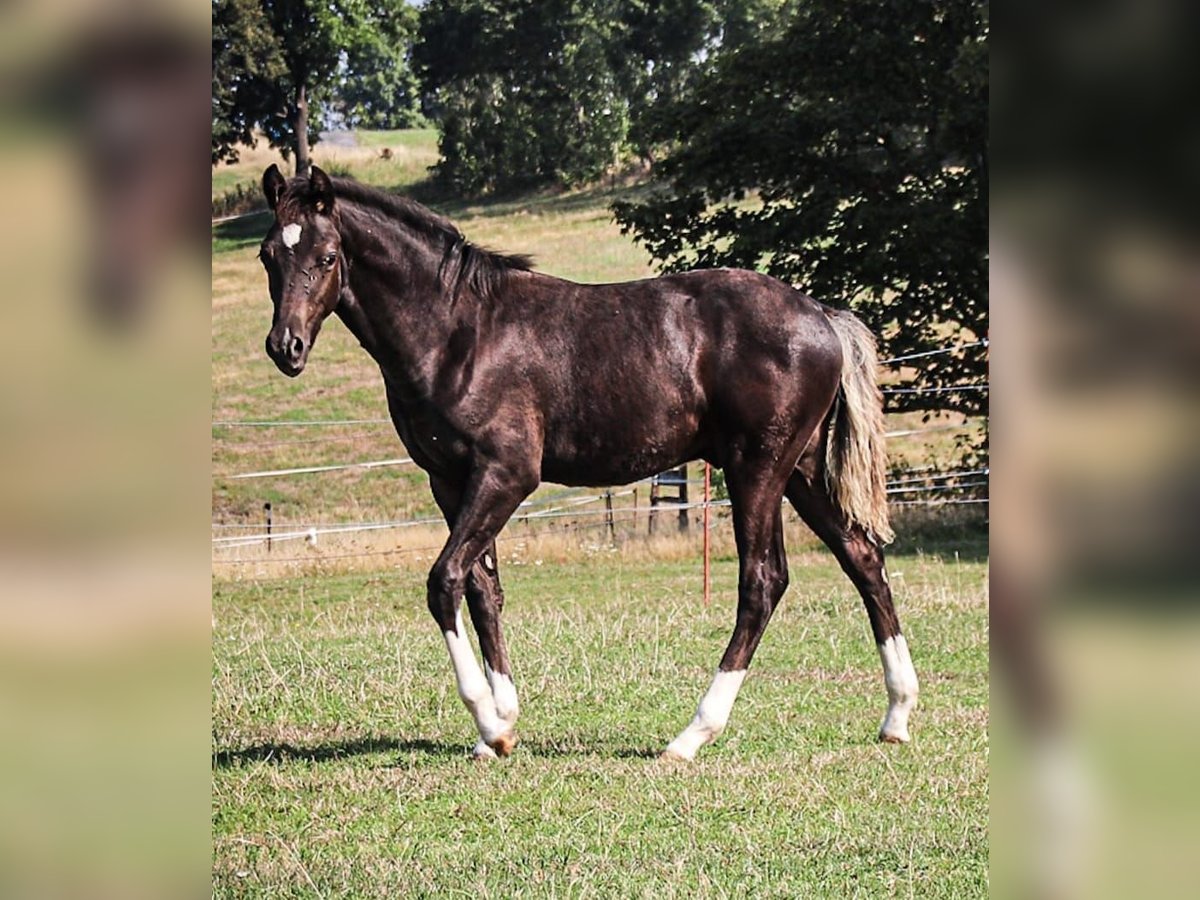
(296, 347)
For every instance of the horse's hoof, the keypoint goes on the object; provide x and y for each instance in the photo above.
(891, 737)
(671, 756)
(504, 744)
(482, 752)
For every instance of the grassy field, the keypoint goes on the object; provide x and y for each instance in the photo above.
(339, 742)
(340, 746)
(413, 152)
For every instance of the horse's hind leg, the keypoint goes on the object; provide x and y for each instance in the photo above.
(762, 578)
(861, 558)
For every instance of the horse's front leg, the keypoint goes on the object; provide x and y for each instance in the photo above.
(491, 496)
(485, 600)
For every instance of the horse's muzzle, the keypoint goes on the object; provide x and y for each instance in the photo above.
(287, 350)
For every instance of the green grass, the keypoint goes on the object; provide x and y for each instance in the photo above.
(225, 179)
(414, 150)
(339, 742)
(411, 138)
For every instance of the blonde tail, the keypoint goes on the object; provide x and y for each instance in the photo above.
(855, 456)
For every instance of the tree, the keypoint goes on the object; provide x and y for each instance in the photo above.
(847, 153)
(666, 46)
(246, 64)
(531, 91)
(525, 91)
(661, 46)
(377, 87)
(278, 64)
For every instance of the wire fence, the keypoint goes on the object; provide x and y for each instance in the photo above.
(941, 351)
(617, 517)
(570, 507)
(312, 470)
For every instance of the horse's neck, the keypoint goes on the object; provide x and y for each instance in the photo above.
(392, 300)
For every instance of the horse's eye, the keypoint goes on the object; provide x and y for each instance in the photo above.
(328, 260)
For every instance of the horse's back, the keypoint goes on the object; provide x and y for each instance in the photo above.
(640, 375)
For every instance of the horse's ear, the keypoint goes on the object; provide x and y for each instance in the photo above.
(273, 185)
(322, 190)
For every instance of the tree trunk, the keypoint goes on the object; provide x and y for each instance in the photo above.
(300, 127)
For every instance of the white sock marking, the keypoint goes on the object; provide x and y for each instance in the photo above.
(291, 235)
(504, 692)
(901, 680)
(712, 715)
(472, 686)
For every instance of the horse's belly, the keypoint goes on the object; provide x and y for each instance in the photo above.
(620, 454)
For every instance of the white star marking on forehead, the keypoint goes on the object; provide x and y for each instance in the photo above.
(291, 235)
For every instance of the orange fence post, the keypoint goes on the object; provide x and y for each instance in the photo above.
(707, 593)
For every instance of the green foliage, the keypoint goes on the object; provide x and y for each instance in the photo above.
(378, 88)
(526, 91)
(296, 44)
(531, 92)
(845, 151)
(666, 46)
(720, 490)
(281, 66)
(246, 65)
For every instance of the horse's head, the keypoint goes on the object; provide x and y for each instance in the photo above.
(301, 254)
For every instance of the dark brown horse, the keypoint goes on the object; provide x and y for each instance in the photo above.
(499, 378)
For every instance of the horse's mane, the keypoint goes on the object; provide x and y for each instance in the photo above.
(464, 264)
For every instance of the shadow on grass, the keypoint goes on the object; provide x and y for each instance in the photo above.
(606, 750)
(241, 232)
(283, 753)
(544, 202)
(967, 547)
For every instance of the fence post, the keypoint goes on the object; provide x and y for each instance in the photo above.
(608, 517)
(267, 510)
(653, 503)
(707, 592)
(683, 499)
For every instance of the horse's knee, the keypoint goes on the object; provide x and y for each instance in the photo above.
(443, 588)
(772, 584)
(781, 583)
